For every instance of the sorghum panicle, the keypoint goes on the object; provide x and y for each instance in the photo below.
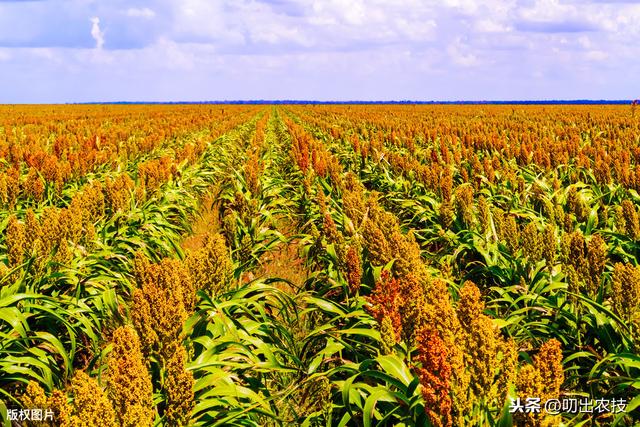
(129, 382)
(435, 376)
(210, 266)
(159, 308)
(630, 214)
(178, 386)
(91, 405)
(625, 288)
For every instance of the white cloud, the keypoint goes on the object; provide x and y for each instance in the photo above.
(491, 26)
(460, 54)
(597, 55)
(96, 33)
(416, 31)
(144, 12)
(547, 10)
(465, 6)
(207, 22)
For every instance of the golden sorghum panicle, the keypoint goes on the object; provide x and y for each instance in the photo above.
(569, 222)
(485, 351)
(158, 310)
(117, 192)
(481, 353)
(415, 307)
(630, 215)
(625, 287)
(91, 200)
(573, 279)
(229, 226)
(33, 186)
(476, 327)
(252, 174)
(470, 306)
(389, 334)
(574, 252)
(329, 229)
(16, 241)
(548, 210)
(129, 382)
(12, 179)
(91, 405)
(412, 299)
(575, 205)
(511, 233)
(619, 220)
(210, 266)
(572, 246)
(549, 363)
(446, 215)
(335, 171)
(596, 260)
(4, 199)
(32, 229)
(464, 204)
(56, 226)
(484, 215)
(240, 204)
(603, 215)
(543, 379)
(446, 185)
(353, 200)
(529, 384)
(74, 219)
(434, 372)
(86, 207)
(4, 270)
(378, 248)
(35, 398)
(426, 303)
(153, 173)
(178, 387)
(531, 243)
(353, 269)
(406, 252)
(508, 361)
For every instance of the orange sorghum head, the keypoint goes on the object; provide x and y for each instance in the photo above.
(384, 301)
(434, 372)
(353, 269)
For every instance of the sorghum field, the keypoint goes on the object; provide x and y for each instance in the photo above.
(347, 265)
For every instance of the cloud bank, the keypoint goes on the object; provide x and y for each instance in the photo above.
(190, 50)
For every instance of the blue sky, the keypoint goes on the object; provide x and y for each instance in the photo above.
(191, 50)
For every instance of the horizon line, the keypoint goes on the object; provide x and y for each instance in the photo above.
(353, 102)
